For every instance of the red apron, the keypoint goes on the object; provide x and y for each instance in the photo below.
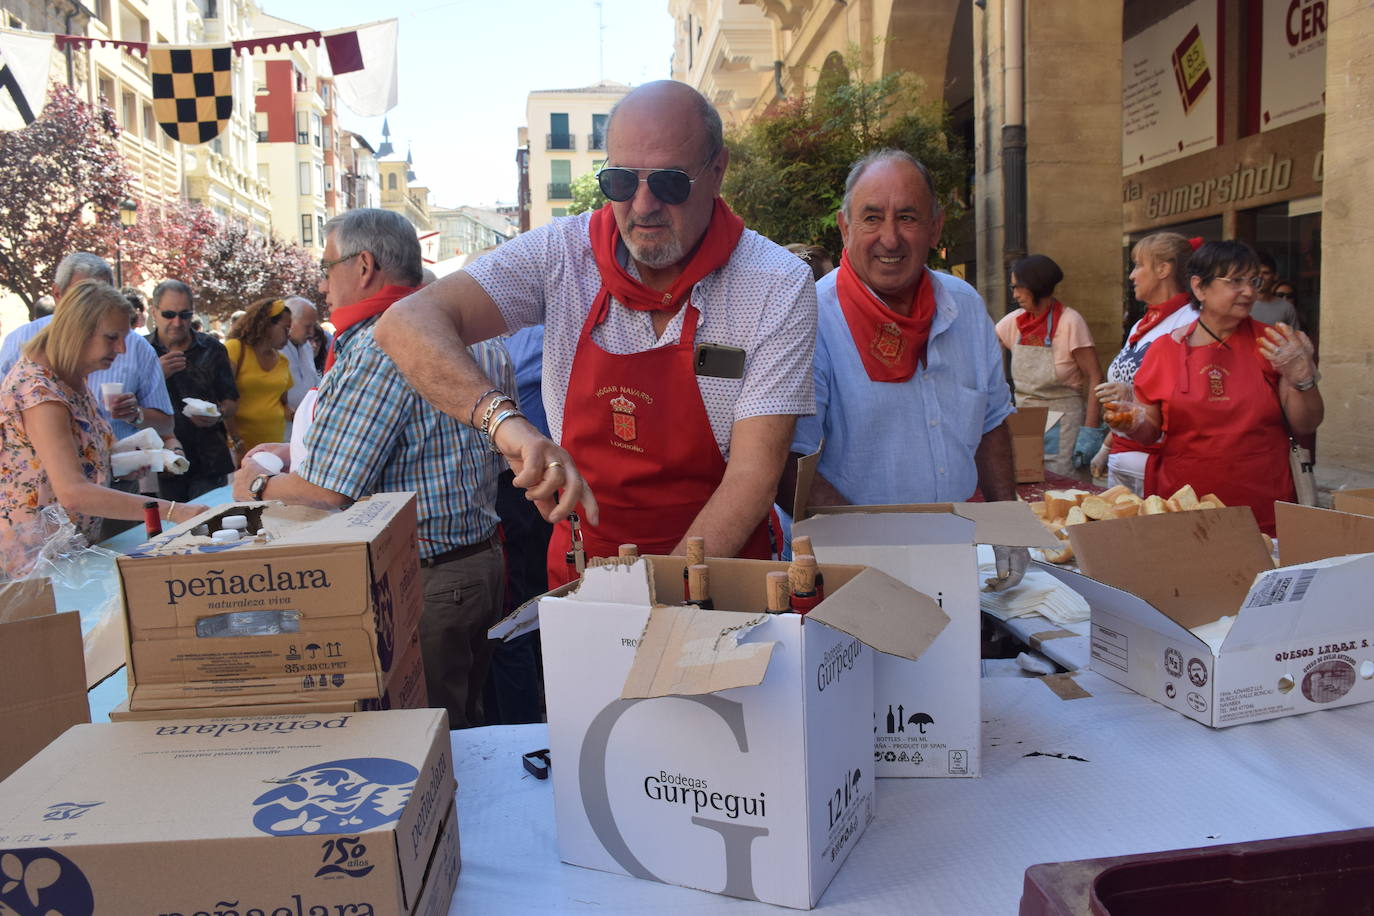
(638, 430)
(1224, 428)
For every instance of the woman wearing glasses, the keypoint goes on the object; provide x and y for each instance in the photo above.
(1226, 392)
(261, 374)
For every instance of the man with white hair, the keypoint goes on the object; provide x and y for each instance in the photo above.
(144, 401)
(300, 352)
(372, 433)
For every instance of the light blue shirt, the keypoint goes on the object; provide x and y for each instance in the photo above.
(137, 367)
(912, 441)
(526, 348)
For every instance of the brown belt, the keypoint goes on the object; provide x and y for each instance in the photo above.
(460, 553)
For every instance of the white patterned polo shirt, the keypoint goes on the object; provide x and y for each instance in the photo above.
(763, 301)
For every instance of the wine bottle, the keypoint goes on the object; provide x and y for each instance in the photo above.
(699, 586)
(152, 518)
(801, 575)
(696, 553)
(779, 593)
(801, 544)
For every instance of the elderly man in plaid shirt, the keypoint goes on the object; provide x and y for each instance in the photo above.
(371, 432)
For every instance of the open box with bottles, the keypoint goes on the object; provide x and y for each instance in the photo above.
(718, 749)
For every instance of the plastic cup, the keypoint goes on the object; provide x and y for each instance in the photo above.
(110, 390)
(269, 462)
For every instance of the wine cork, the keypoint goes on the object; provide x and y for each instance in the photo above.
(779, 593)
(698, 582)
(696, 550)
(629, 550)
(802, 574)
(801, 544)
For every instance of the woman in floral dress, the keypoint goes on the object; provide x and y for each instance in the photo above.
(54, 445)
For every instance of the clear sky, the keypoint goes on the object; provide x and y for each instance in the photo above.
(466, 66)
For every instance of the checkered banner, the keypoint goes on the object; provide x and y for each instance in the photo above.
(192, 90)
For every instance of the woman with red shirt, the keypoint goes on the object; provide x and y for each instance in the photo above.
(1226, 392)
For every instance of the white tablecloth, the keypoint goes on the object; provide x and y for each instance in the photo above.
(1149, 779)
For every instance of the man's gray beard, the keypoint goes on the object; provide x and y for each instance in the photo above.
(665, 255)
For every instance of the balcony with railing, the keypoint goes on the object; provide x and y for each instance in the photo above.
(560, 141)
(596, 141)
(560, 190)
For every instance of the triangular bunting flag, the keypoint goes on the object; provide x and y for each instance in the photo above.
(364, 64)
(192, 90)
(24, 68)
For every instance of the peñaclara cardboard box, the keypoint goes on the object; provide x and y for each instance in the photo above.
(351, 813)
(1302, 638)
(718, 749)
(1027, 427)
(42, 671)
(405, 689)
(321, 610)
(926, 717)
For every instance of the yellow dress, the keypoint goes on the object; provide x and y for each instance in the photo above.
(261, 416)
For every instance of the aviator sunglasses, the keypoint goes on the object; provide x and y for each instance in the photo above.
(672, 186)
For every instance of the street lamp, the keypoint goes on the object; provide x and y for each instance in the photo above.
(128, 218)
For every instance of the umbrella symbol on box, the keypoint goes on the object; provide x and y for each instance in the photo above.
(920, 720)
(313, 648)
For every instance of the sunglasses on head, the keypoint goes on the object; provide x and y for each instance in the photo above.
(672, 186)
(184, 316)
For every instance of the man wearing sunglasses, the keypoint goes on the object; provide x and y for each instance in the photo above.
(677, 347)
(909, 352)
(195, 366)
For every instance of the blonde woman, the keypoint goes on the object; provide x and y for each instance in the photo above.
(1159, 279)
(54, 444)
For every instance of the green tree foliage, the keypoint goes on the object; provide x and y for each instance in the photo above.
(586, 195)
(787, 168)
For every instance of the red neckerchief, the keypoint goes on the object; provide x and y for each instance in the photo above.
(1154, 314)
(1033, 328)
(717, 245)
(890, 344)
(345, 316)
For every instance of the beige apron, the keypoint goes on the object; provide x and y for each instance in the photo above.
(1038, 385)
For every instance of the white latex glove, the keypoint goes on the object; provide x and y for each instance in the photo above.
(1099, 462)
(1113, 391)
(1124, 417)
(1290, 352)
(1011, 566)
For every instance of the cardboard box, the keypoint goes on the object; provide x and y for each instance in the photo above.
(1301, 637)
(1306, 533)
(926, 718)
(1359, 502)
(341, 591)
(42, 671)
(718, 749)
(1027, 427)
(277, 814)
(405, 690)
